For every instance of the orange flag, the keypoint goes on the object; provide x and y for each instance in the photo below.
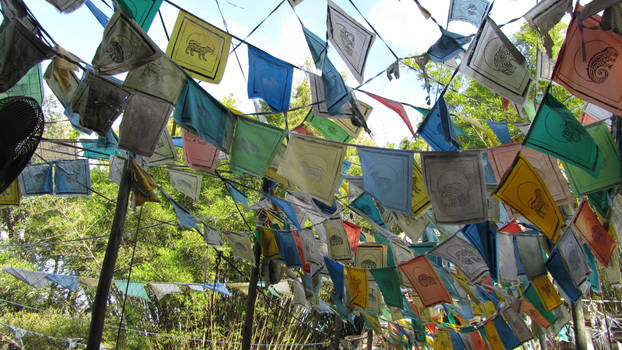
(588, 66)
(594, 234)
(425, 280)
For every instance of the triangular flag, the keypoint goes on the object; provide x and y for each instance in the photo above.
(437, 128)
(397, 107)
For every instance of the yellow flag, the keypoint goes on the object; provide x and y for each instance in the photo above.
(144, 189)
(269, 247)
(494, 341)
(198, 47)
(523, 189)
(373, 322)
(357, 282)
(12, 195)
(548, 295)
(420, 199)
(443, 340)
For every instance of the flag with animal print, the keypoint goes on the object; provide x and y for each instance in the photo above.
(425, 281)
(523, 189)
(588, 64)
(199, 48)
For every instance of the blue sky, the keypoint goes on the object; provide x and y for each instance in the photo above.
(398, 22)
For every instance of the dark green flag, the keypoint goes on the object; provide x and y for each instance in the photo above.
(389, 283)
(609, 175)
(557, 132)
(29, 85)
(254, 146)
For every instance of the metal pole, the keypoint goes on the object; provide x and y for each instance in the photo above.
(98, 313)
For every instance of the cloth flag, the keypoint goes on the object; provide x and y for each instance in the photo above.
(425, 280)
(218, 287)
(125, 46)
(548, 294)
(336, 270)
(528, 308)
(482, 236)
(269, 79)
(184, 217)
(447, 46)
(328, 128)
(364, 205)
(36, 279)
(36, 180)
(571, 252)
(581, 181)
(163, 289)
(593, 233)
(515, 322)
(68, 281)
(507, 261)
(145, 116)
(371, 255)
(241, 246)
(317, 47)
(12, 195)
(133, 289)
(557, 132)
(237, 195)
(437, 128)
(496, 63)
(337, 240)
(505, 333)
(471, 11)
(269, 245)
(29, 85)
(523, 189)
(397, 107)
(314, 165)
(562, 276)
(288, 250)
(159, 78)
(353, 232)
(461, 253)
(502, 157)
(351, 40)
(211, 236)
(66, 6)
(492, 336)
(387, 175)
(72, 178)
(336, 93)
(201, 113)
(531, 255)
(199, 48)
(455, 184)
(186, 183)
(388, 282)
(349, 110)
(544, 16)
(164, 152)
(501, 131)
(61, 79)
(586, 64)
(594, 278)
(198, 153)
(420, 200)
(255, 144)
(358, 286)
(142, 11)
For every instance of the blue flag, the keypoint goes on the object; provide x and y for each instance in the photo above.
(72, 178)
(447, 46)
(501, 131)
(335, 270)
(286, 208)
(437, 128)
(317, 47)
(484, 238)
(558, 270)
(269, 79)
(36, 180)
(287, 248)
(336, 92)
(237, 195)
(505, 333)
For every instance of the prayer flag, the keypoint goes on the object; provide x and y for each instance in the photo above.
(609, 176)
(349, 110)
(212, 238)
(314, 165)
(163, 289)
(501, 131)
(241, 245)
(571, 252)
(357, 284)
(496, 63)
(447, 46)
(471, 11)
(66, 281)
(145, 116)
(164, 152)
(515, 322)
(548, 295)
(184, 217)
(364, 205)
(544, 16)
(562, 276)
(29, 85)
(199, 48)
(455, 184)
(269, 79)
(66, 6)
(461, 253)
(507, 261)
(328, 128)
(592, 231)
(61, 79)
(335, 270)
(594, 277)
(371, 255)
(557, 132)
(237, 195)
(142, 11)
(72, 178)
(337, 240)
(287, 248)
(198, 153)
(133, 289)
(506, 334)
(353, 232)
(336, 93)
(397, 107)
(483, 237)
(586, 64)
(317, 46)
(523, 189)
(36, 180)
(255, 144)
(534, 313)
(36, 279)
(437, 128)
(389, 284)
(492, 336)
(387, 175)
(124, 46)
(12, 195)
(144, 186)
(351, 40)
(425, 280)
(269, 245)
(161, 78)
(200, 112)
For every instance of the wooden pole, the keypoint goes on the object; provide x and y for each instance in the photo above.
(338, 326)
(98, 313)
(580, 331)
(370, 339)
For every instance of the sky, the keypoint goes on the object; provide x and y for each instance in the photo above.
(399, 23)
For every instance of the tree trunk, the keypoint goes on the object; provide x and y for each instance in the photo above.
(580, 331)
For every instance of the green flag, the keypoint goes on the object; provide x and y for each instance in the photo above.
(328, 128)
(254, 146)
(609, 175)
(142, 11)
(389, 283)
(29, 85)
(557, 132)
(600, 201)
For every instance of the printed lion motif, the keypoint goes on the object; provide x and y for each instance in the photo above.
(536, 202)
(502, 61)
(599, 65)
(347, 39)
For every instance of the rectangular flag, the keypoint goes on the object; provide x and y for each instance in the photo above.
(255, 145)
(357, 283)
(198, 153)
(425, 280)
(592, 231)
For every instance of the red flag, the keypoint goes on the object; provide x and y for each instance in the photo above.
(354, 235)
(587, 119)
(301, 129)
(425, 280)
(589, 64)
(397, 108)
(594, 234)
